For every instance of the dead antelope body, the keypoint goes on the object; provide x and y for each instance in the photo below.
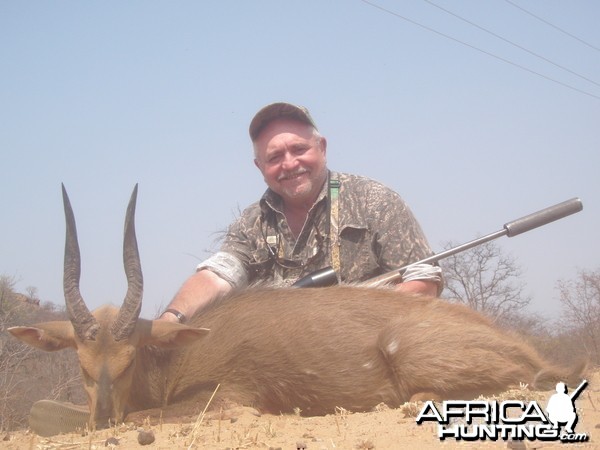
(277, 350)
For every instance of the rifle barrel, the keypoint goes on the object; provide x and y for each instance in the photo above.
(578, 390)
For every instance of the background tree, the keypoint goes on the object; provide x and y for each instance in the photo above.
(580, 317)
(26, 374)
(32, 295)
(486, 280)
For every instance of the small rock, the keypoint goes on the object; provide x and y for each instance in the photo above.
(111, 441)
(300, 445)
(146, 437)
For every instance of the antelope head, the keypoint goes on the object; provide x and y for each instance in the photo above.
(107, 340)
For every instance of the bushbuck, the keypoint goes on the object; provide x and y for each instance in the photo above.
(281, 349)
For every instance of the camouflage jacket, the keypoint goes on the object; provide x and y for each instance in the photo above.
(377, 233)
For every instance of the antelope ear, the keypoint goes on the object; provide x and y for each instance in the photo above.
(47, 336)
(168, 334)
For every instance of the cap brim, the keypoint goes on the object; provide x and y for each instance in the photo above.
(275, 111)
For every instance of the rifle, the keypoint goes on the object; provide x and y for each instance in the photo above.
(328, 277)
(577, 391)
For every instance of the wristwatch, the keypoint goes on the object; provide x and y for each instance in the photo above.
(179, 315)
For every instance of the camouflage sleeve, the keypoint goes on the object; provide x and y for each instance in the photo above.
(237, 250)
(227, 267)
(424, 272)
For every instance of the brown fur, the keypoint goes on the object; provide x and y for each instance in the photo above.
(312, 349)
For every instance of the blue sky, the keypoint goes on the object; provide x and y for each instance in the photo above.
(101, 95)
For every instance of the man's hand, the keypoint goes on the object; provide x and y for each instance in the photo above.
(419, 287)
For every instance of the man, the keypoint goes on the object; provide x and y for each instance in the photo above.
(308, 218)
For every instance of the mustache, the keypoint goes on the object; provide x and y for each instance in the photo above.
(295, 173)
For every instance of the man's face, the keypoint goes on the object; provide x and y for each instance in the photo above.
(292, 160)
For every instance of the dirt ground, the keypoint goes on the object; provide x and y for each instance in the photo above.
(383, 428)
